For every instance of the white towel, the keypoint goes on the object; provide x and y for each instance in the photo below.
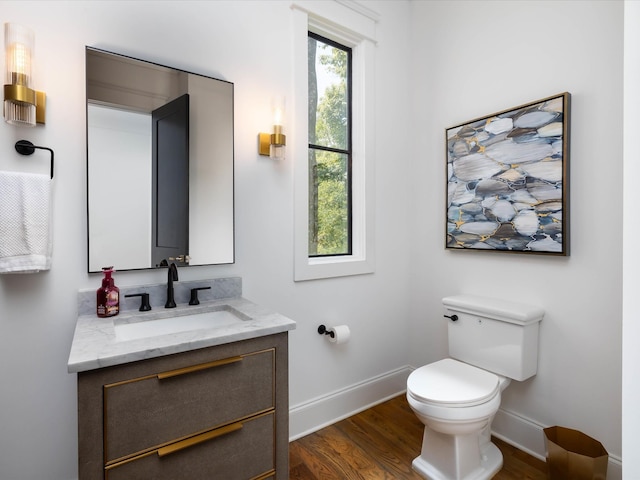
(25, 227)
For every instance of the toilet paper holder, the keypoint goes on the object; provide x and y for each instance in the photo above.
(322, 330)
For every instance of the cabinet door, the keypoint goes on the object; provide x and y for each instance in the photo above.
(243, 452)
(148, 412)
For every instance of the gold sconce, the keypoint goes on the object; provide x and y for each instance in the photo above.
(22, 104)
(273, 144)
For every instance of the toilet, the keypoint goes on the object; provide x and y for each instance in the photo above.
(491, 342)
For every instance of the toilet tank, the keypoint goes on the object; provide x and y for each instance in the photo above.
(500, 336)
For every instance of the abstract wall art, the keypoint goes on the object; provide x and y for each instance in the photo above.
(507, 180)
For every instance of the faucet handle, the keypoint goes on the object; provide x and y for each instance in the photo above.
(180, 258)
(194, 295)
(144, 301)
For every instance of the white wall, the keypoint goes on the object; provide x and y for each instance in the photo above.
(120, 141)
(248, 43)
(210, 178)
(443, 70)
(631, 318)
(476, 58)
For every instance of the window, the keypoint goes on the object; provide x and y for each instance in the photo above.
(329, 147)
(333, 144)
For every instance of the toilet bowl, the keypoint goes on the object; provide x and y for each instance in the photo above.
(456, 402)
(490, 341)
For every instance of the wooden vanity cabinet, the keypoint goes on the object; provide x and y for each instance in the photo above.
(213, 413)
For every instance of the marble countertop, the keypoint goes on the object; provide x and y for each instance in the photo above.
(96, 345)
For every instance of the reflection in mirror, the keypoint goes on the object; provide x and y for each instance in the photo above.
(159, 165)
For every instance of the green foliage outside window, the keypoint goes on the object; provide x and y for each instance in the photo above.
(329, 150)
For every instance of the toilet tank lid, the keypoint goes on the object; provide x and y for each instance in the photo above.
(505, 310)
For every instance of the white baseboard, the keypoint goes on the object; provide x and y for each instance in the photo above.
(310, 416)
(521, 432)
(527, 435)
(319, 412)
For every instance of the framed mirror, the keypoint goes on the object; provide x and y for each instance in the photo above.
(159, 165)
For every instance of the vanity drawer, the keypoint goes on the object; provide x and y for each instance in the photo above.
(241, 452)
(148, 412)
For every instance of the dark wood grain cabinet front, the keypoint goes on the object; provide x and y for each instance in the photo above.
(218, 412)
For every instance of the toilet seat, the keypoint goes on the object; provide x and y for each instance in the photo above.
(450, 383)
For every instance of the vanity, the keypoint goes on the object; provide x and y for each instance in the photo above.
(195, 392)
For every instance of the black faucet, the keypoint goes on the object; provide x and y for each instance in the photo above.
(172, 276)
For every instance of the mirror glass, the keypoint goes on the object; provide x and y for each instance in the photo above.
(159, 165)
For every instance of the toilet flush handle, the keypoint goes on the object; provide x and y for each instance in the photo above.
(454, 318)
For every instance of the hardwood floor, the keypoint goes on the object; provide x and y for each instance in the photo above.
(380, 443)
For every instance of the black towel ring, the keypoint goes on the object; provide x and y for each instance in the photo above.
(25, 147)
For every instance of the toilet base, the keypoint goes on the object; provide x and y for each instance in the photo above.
(490, 464)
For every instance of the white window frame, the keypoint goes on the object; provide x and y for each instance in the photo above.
(352, 25)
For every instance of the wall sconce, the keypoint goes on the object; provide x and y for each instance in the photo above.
(22, 105)
(273, 144)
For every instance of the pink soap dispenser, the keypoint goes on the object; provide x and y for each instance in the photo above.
(108, 296)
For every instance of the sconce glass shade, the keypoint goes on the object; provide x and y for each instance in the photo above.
(278, 139)
(19, 97)
(277, 109)
(278, 143)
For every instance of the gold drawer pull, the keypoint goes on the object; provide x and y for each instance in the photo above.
(197, 368)
(203, 437)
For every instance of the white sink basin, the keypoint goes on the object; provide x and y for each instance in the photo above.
(185, 323)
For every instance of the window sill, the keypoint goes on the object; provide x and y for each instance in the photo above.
(329, 267)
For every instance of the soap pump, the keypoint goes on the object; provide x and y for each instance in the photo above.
(108, 296)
